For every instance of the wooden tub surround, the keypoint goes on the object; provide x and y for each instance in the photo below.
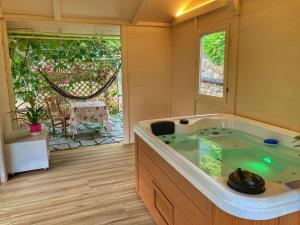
(172, 200)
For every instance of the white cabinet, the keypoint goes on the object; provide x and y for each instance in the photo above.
(25, 152)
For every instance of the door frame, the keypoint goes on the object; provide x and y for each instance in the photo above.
(125, 86)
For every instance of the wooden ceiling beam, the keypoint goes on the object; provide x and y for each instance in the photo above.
(18, 17)
(95, 21)
(153, 24)
(57, 13)
(137, 14)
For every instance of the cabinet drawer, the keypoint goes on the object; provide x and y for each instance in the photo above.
(163, 205)
(146, 192)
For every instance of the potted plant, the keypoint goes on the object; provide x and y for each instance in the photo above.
(34, 115)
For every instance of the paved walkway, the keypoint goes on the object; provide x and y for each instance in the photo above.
(90, 135)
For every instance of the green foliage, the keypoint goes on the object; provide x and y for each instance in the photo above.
(214, 47)
(34, 113)
(66, 61)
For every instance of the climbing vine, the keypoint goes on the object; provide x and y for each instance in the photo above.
(65, 59)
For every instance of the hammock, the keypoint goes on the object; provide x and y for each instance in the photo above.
(65, 94)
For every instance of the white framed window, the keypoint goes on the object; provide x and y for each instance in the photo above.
(213, 58)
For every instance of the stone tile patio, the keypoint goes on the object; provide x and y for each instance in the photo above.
(89, 135)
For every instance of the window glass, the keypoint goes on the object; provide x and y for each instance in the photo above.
(212, 57)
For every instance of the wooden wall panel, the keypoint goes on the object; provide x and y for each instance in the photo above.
(268, 63)
(5, 121)
(268, 39)
(147, 65)
(183, 69)
(4, 90)
(185, 49)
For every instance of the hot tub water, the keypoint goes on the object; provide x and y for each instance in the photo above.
(218, 152)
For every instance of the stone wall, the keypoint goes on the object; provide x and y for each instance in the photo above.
(212, 89)
(212, 78)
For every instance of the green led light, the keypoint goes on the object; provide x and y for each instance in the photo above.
(267, 160)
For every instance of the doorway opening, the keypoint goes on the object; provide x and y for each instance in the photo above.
(82, 72)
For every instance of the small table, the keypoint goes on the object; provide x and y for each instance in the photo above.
(25, 152)
(88, 112)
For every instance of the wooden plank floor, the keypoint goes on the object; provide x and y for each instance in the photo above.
(84, 186)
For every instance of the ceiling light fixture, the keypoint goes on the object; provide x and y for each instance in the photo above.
(184, 9)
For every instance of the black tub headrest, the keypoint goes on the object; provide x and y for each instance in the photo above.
(163, 128)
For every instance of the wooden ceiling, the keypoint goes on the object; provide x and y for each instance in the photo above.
(116, 11)
(59, 15)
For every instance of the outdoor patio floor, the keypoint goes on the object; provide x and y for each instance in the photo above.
(89, 135)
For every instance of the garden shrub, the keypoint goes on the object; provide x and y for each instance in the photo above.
(214, 47)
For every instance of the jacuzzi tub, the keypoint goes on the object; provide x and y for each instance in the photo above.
(276, 201)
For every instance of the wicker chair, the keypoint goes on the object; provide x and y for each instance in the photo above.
(57, 117)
